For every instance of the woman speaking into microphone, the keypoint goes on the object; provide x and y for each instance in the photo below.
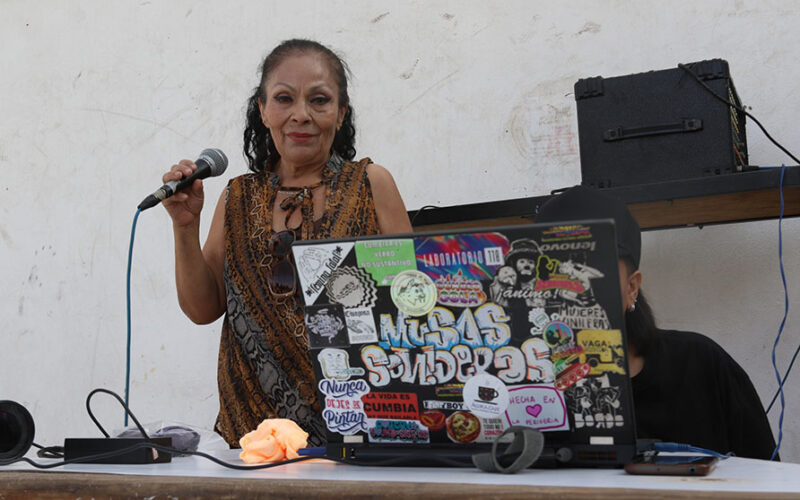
(304, 183)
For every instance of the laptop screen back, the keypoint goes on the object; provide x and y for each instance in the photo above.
(452, 337)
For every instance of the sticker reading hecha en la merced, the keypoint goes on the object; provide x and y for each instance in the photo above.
(414, 293)
(385, 259)
(539, 406)
(486, 395)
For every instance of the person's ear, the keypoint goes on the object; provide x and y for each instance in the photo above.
(342, 114)
(262, 109)
(634, 284)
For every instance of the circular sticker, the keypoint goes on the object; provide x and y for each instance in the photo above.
(463, 427)
(486, 395)
(558, 333)
(413, 292)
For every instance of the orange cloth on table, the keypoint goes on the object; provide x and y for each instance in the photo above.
(274, 440)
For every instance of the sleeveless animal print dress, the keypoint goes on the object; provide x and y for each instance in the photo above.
(264, 368)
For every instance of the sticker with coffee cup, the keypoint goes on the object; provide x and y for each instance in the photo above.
(485, 395)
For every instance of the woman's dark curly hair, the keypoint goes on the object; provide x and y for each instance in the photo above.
(258, 146)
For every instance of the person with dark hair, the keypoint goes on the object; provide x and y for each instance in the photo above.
(686, 388)
(299, 143)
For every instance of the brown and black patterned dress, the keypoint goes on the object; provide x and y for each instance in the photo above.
(264, 367)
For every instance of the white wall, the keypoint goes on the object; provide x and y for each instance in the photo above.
(99, 98)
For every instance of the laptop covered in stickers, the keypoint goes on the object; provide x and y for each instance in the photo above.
(430, 345)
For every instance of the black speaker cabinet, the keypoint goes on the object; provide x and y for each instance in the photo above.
(659, 126)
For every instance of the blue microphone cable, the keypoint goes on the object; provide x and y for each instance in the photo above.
(781, 381)
(128, 297)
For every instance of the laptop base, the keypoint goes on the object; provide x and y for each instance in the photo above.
(442, 455)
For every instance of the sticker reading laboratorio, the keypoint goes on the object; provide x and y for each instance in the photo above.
(539, 406)
(485, 395)
(385, 259)
(326, 326)
(344, 412)
(315, 263)
(476, 256)
(414, 293)
(351, 287)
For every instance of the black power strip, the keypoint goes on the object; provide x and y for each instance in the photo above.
(80, 448)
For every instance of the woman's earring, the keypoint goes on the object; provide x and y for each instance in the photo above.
(633, 306)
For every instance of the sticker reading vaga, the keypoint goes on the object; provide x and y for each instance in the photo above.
(444, 349)
(538, 406)
(603, 351)
(344, 412)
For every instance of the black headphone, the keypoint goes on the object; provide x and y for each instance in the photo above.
(16, 431)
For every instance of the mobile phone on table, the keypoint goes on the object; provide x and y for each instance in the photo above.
(672, 465)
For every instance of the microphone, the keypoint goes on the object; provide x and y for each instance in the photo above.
(211, 163)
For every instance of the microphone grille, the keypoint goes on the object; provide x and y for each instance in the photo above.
(216, 159)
